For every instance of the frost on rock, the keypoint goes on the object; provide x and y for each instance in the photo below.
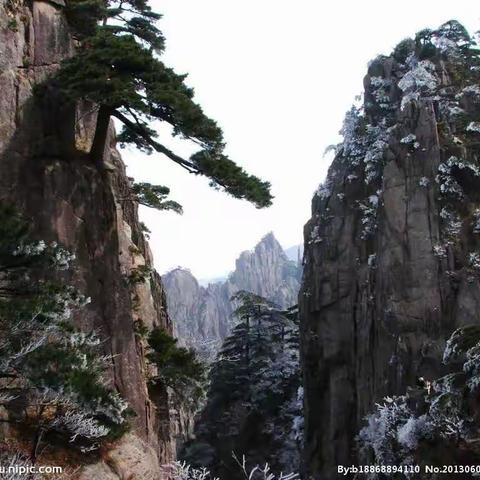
(422, 76)
(451, 221)
(444, 44)
(455, 111)
(440, 251)
(421, 79)
(315, 235)
(472, 89)
(409, 139)
(424, 182)
(376, 142)
(476, 221)
(364, 143)
(351, 178)
(351, 145)
(451, 111)
(369, 216)
(473, 127)
(324, 190)
(448, 185)
(474, 260)
(380, 91)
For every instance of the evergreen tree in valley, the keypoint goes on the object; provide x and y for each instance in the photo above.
(254, 399)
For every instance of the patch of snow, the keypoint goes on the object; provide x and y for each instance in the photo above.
(440, 251)
(351, 178)
(473, 89)
(424, 182)
(410, 138)
(473, 127)
(474, 260)
(324, 190)
(315, 235)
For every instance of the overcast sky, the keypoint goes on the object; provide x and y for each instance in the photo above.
(278, 76)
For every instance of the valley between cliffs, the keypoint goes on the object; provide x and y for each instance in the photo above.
(346, 359)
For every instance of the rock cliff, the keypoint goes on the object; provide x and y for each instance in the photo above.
(391, 251)
(203, 314)
(45, 172)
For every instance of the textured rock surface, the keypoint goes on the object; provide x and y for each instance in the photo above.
(204, 313)
(132, 458)
(44, 171)
(389, 271)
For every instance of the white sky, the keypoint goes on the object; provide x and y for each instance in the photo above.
(278, 76)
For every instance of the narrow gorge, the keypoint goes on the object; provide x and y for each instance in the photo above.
(203, 315)
(365, 351)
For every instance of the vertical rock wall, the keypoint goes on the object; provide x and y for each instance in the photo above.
(391, 248)
(45, 172)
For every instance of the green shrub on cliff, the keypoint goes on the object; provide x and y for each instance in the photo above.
(153, 196)
(175, 367)
(117, 67)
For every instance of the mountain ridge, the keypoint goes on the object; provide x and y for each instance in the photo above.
(203, 313)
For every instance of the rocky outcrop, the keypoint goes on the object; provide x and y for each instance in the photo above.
(45, 172)
(204, 314)
(391, 249)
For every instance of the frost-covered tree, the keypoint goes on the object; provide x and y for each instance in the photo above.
(117, 66)
(183, 471)
(52, 376)
(435, 424)
(254, 400)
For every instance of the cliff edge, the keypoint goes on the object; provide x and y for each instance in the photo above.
(46, 174)
(392, 246)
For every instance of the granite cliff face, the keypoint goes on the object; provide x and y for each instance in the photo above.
(203, 314)
(391, 250)
(46, 174)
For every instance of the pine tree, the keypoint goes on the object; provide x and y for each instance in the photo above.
(52, 376)
(253, 392)
(153, 196)
(117, 67)
(175, 367)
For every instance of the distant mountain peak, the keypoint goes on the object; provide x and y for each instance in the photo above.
(204, 313)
